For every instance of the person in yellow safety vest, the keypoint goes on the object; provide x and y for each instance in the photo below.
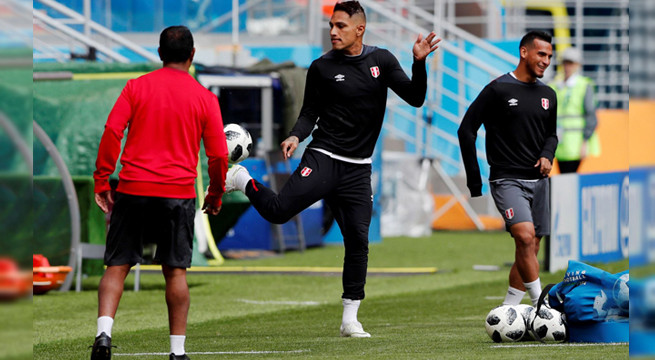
(576, 113)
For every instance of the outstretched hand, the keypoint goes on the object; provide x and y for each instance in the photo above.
(424, 47)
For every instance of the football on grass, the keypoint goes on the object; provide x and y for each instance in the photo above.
(548, 324)
(525, 311)
(239, 143)
(505, 324)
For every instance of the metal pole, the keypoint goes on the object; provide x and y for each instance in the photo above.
(491, 20)
(311, 22)
(451, 12)
(108, 14)
(267, 118)
(579, 24)
(438, 18)
(235, 31)
(87, 17)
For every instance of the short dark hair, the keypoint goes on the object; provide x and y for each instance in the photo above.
(528, 38)
(350, 7)
(175, 44)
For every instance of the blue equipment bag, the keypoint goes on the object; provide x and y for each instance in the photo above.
(595, 302)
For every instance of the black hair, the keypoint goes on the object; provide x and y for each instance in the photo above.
(350, 7)
(175, 44)
(528, 38)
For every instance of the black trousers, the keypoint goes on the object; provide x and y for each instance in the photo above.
(346, 188)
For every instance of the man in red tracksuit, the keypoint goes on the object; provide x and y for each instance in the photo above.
(167, 112)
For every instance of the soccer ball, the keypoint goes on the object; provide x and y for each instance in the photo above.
(600, 306)
(239, 143)
(621, 292)
(526, 312)
(505, 324)
(548, 324)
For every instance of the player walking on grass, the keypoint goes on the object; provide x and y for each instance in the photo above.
(519, 113)
(345, 97)
(167, 113)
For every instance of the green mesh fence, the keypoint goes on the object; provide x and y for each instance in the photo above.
(93, 67)
(73, 114)
(15, 182)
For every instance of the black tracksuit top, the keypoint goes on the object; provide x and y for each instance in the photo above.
(347, 96)
(521, 126)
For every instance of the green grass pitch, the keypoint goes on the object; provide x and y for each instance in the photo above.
(235, 316)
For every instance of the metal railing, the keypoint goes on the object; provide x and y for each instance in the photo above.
(396, 31)
(94, 34)
(600, 28)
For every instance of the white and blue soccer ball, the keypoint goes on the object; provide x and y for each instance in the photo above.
(526, 312)
(505, 324)
(549, 325)
(621, 292)
(239, 143)
(600, 306)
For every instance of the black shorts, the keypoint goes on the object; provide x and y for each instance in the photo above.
(139, 220)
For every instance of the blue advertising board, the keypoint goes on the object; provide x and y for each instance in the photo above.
(590, 218)
(642, 216)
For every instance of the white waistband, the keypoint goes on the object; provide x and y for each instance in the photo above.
(345, 158)
(530, 180)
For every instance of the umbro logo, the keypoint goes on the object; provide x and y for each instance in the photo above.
(513, 102)
(340, 77)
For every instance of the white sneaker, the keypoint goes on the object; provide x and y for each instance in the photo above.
(231, 179)
(355, 330)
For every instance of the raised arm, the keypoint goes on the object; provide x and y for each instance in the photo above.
(412, 91)
(468, 133)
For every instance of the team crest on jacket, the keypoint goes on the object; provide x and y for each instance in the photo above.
(375, 71)
(305, 171)
(509, 213)
(545, 103)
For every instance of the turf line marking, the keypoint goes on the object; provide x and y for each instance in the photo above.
(559, 345)
(220, 353)
(307, 269)
(256, 302)
(494, 297)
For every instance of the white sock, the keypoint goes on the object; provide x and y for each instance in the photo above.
(241, 180)
(104, 325)
(514, 296)
(350, 308)
(534, 289)
(177, 344)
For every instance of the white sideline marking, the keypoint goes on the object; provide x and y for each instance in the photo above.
(526, 296)
(220, 353)
(559, 345)
(256, 302)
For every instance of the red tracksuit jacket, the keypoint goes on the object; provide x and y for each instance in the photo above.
(167, 112)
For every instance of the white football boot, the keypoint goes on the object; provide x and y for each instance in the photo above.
(355, 330)
(233, 181)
